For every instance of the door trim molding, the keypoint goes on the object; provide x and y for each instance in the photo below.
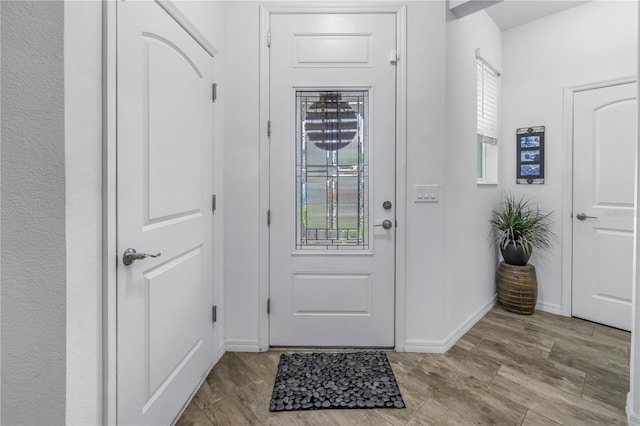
(400, 11)
(109, 217)
(173, 11)
(566, 222)
(632, 418)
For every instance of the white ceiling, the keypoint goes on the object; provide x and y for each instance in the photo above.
(511, 13)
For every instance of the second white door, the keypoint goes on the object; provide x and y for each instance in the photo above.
(332, 187)
(605, 123)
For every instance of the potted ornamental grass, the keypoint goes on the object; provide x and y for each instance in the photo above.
(518, 227)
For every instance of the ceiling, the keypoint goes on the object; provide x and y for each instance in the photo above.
(511, 13)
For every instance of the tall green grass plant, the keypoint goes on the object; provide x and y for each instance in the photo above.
(519, 221)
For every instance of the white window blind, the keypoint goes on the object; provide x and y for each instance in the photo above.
(487, 83)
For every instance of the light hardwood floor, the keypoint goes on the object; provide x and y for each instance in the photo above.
(507, 370)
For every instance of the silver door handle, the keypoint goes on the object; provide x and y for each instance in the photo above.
(583, 216)
(386, 224)
(130, 256)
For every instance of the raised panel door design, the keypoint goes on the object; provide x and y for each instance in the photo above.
(332, 167)
(613, 164)
(173, 145)
(614, 255)
(324, 294)
(604, 148)
(171, 310)
(320, 50)
(165, 182)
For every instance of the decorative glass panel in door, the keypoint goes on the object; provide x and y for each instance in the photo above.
(332, 170)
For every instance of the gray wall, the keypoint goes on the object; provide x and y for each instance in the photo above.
(32, 218)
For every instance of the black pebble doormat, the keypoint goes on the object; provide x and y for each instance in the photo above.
(311, 381)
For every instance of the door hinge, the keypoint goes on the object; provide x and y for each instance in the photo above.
(214, 313)
(394, 57)
(268, 217)
(214, 92)
(213, 203)
(268, 306)
(268, 38)
(269, 128)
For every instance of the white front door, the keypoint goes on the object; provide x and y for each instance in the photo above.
(332, 186)
(604, 147)
(164, 170)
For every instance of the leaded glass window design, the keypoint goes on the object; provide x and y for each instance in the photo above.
(332, 170)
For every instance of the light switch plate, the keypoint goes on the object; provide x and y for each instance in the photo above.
(426, 193)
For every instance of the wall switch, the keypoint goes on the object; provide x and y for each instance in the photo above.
(425, 194)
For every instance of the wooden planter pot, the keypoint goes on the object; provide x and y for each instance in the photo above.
(517, 288)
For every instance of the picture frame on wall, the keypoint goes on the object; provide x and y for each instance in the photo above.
(530, 155)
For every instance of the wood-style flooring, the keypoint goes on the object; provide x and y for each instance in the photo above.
(508, 369)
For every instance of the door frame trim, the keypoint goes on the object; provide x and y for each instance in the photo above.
(400, 11)
(566, 210)
(109, 214)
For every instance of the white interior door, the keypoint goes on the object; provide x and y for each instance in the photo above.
(332, 106)
(165, 179)
(604, 146)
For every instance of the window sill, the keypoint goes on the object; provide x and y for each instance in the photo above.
(485, 182)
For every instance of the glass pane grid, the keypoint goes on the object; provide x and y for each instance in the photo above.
(332, 175)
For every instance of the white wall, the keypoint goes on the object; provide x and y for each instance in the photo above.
(470, 259)
(589, 43)
(242, 217)
(33, 214)
(426, 56)
(0, 220)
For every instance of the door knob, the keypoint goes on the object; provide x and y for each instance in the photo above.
(386, 224)
(387, 205)
(583, 216)
(130, 256)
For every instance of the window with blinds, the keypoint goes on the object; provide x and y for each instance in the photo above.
(487, 120)
(487, 82)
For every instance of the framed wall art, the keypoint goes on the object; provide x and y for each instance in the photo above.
(530, 155)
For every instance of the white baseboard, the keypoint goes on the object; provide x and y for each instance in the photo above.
(442, 346)
(632, 418)
(552, 308)
(425, 346)
(241, 346)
